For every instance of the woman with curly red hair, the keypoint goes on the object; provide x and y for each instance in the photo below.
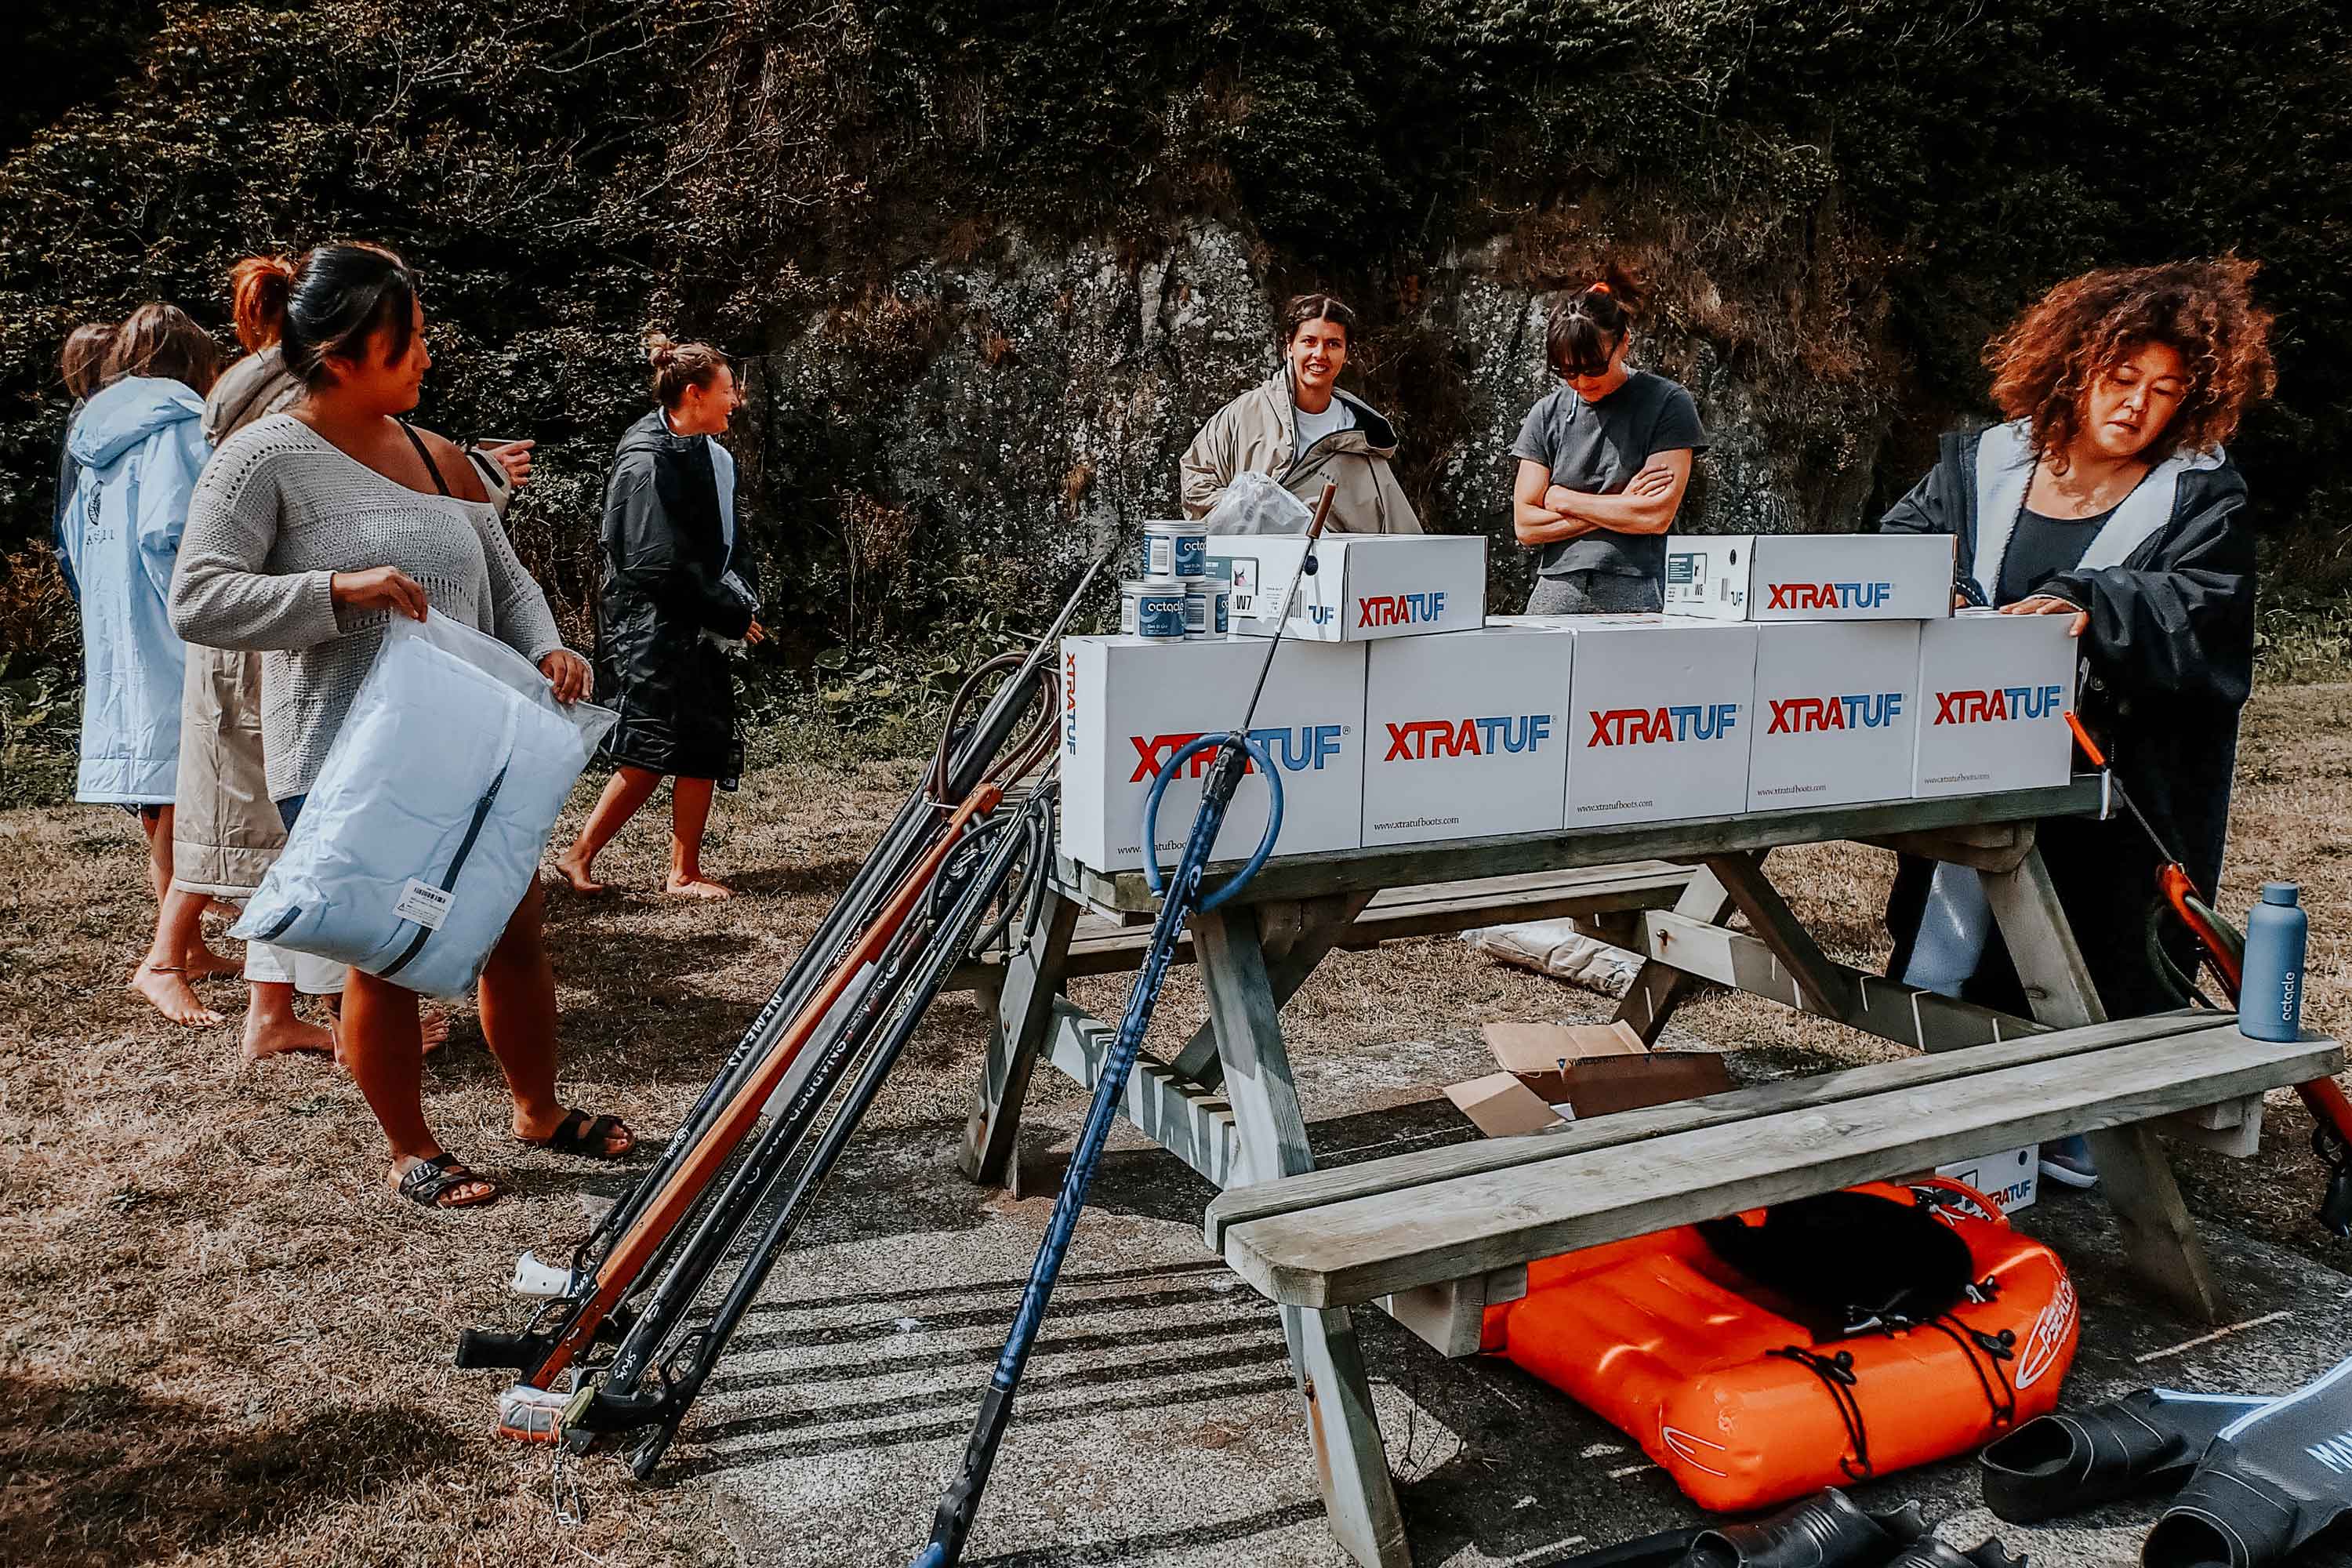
(2106, 496)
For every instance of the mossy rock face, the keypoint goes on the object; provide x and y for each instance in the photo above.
(992, 263)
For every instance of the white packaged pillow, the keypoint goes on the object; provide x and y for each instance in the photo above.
(428, 818)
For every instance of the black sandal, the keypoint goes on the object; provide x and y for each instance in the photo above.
(428, 1182)
(583, 1136)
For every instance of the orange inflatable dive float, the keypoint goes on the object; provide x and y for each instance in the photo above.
(1816, 1343)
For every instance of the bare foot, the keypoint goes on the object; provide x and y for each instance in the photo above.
(433, 1028)
(580, 870)
(203, 961)
(276, 1036)
(696, 887)
(167, 989)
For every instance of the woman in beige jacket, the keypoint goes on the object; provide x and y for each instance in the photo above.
(1298, 427)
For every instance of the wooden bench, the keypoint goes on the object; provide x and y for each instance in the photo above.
(1102, 945)
(1437, 1235)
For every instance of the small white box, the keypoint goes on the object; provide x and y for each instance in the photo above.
(1836, 714)
(1994, 691)
(1810, 576)
(2011, 1178)
(1466, 736)
(1661, 709)
(1364, 587)
(1128, 704)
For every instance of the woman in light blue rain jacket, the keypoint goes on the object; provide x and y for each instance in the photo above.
(139, 444)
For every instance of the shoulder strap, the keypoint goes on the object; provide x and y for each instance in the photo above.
(425, 457)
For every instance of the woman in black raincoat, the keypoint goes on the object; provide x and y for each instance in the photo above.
(2107, 498)
(678, 595)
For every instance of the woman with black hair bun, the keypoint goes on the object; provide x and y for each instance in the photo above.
(310, 529)
(1604, 458)
(680, 594)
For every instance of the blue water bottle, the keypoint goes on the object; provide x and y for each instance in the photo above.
(2270, 998)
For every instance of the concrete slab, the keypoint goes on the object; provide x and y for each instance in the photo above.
(1158, 1427)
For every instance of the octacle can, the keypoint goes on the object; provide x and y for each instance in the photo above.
(1198, 611)
(1153, 608)
(1221, 603)
(1178, 550)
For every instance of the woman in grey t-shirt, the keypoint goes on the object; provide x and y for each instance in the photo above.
(1604, 458)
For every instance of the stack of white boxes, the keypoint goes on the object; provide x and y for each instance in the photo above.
(1788, 673)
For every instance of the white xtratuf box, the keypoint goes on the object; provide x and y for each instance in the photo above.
(1836, 714)
(1365, 586)
(1994, 692)
(1466, 736)
(1810, 576)
(1127, 705)
(1661, 712)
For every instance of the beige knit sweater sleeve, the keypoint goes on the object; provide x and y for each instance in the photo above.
(223, 595)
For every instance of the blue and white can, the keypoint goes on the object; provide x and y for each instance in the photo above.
(1197, 611)
(1178, 550)
(1153, 609)
(1216, 609)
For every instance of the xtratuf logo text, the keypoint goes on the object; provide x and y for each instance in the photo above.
(1998, 704)
(1310, 746)
(1420, 740)
(1863, 710)
(1654, 726)
(1400, 609)
(1829, 595)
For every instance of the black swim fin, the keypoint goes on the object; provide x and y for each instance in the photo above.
(2063, 1464)
(1663, 1550)
(2271, 1481)
(1824, 1530)
(1934, 1554)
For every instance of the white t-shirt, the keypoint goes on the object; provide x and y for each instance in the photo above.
(1313, 427)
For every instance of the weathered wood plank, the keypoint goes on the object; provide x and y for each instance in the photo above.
(1822, 984)
(1309, 876)
(1014, 1033)
(1353, 1251)
(1887, 1008)
(1396, 914)
(1661, 984)
(1450, 1317)
(2160, 1239)
(1427, 1167)
(1185, 1118)
(1351, 1464)
(1320, 924)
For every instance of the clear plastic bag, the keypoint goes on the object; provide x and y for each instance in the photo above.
(1257, 503)
(428, 818)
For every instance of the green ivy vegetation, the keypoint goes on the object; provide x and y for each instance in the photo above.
(1839, 200)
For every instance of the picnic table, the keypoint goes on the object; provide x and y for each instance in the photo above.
(1436, 1235)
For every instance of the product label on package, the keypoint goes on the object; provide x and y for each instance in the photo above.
(1858, 711)
(1648, 726)
(1420, 740)
(1310, 746)
(1999, 705)
(1828, 596)
(428, 907)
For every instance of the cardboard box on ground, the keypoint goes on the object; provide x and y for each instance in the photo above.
(1810, 576)
(1364, 587)
(1554, 1074)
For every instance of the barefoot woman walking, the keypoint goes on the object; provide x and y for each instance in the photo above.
(679, 589)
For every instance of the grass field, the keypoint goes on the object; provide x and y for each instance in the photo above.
(225, 1342)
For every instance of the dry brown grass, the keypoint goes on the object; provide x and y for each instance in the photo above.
(224, 1344)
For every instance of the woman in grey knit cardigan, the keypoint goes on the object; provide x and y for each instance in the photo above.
(310, 529)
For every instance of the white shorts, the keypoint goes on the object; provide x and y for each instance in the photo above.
(307, 972)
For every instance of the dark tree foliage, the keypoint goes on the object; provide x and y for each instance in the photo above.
(1842, 200)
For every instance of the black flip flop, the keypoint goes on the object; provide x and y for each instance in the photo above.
(583, 1136)
(426, 1181)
